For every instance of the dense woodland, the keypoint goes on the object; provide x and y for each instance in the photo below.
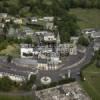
(30, 7)
(40, 7)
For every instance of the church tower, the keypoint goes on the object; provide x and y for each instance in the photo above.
(57, 44)
(58, 39)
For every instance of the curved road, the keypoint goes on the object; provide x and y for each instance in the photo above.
(55, 75)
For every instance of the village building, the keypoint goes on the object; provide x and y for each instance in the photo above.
(1, 32)
(18, 21)
(25, 62)
(73, 49)
(88, 32)
(93, 33)
(2, 25)
(7, 20)
(63, 48)
(27, 31)
(96, 44)
(96, 35)
(49, 25)
(34, 20)
(74, 40)
(3, 15)
(26, 51)
(15, 75)
(67, 49)
(42, 64)
(11, 32)
(49, 37)
(48, 19)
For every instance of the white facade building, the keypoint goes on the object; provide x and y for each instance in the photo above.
(34, 19)
(96, 44)
(16, 76)
(74, 39)
(26, 49)
(13, 77)
(49, 19)
(73, 49)
(48, 38)
(18, 21)
(95, 35)
(3, 15)
(67, 48)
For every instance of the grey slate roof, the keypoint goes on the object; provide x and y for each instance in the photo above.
(12, 72)
(25, 61)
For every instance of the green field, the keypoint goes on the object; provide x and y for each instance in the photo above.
(87, 18)
(3, 97)
(92, 82)
(12, 50)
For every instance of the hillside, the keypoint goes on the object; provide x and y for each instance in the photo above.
(44, 7)
(33, 7)
(87, 18)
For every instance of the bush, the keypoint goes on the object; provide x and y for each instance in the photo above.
(98, 63)
(27, 85)
(83, 41)
(53, 84)
(6, 84)
(3, 45)
(9, 58)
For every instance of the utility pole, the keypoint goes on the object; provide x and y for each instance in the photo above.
(69, 73)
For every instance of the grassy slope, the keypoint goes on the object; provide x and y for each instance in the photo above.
(2, 97)
(88, 18)
(11, 50)
(92, 83)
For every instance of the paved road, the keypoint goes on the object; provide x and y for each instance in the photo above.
(56, 75)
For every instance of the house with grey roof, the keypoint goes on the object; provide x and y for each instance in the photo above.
(27, 31)
(95, 34)
(3, 15)
(17, 76)
(96, 44)
(26, 51)
(2, 25)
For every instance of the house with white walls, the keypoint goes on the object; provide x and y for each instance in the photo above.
(15, 75)
(26, 51)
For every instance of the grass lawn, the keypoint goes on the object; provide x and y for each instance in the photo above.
(3, 97)
(92, 82)
(11, 50)
(88, 18)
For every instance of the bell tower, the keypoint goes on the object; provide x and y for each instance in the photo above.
(58, 39)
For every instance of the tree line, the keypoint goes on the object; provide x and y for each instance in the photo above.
(84, 3)
(32, 7)
(44, 7)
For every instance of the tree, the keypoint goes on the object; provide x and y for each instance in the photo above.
(98, 63)
(97, 54)
(28, 40)
(67, 26)
(83, 41)
(29, 83)
(9, 58)
(5, 84)
(65, 37)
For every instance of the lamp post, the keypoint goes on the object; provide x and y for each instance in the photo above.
(34, 89)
